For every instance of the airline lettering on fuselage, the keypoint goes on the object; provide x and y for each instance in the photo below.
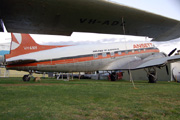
(143, 45)
(30, 48)
(106, 50)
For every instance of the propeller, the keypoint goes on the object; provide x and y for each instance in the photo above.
(167, 69)
(172, 52)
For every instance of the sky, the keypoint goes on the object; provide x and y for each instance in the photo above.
(168, 8)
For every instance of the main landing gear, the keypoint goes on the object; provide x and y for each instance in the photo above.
(113, 76)
(151, 74)
(116, 75)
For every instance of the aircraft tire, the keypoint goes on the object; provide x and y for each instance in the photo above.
(151, 78)
(26, 78)
(113, 77)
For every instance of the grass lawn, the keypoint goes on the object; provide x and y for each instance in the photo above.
(53, 99)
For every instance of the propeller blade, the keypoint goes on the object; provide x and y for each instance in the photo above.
(167, 70)
(172, 52)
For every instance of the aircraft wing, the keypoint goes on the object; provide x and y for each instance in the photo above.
(63, 17)
(132, 63)
(159, 61)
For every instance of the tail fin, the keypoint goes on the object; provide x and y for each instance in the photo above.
(23, 44)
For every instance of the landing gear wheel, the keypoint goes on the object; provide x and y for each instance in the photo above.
(26, 78)
(151, 77)
(113, 76)
(151, 74)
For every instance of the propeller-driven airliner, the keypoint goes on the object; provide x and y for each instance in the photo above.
(27, 55)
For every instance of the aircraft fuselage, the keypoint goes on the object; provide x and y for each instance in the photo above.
(83, 57)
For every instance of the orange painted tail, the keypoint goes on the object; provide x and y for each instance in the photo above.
(23, 44)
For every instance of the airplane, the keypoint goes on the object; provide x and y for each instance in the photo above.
(27, 55)
(63, 17)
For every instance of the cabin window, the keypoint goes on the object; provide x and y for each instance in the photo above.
(104, 54)
(139, 50)
(119, 53)
(95, 55)
(112, 53)
(126, 52)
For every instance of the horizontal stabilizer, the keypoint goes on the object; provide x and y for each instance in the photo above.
(16, 62)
